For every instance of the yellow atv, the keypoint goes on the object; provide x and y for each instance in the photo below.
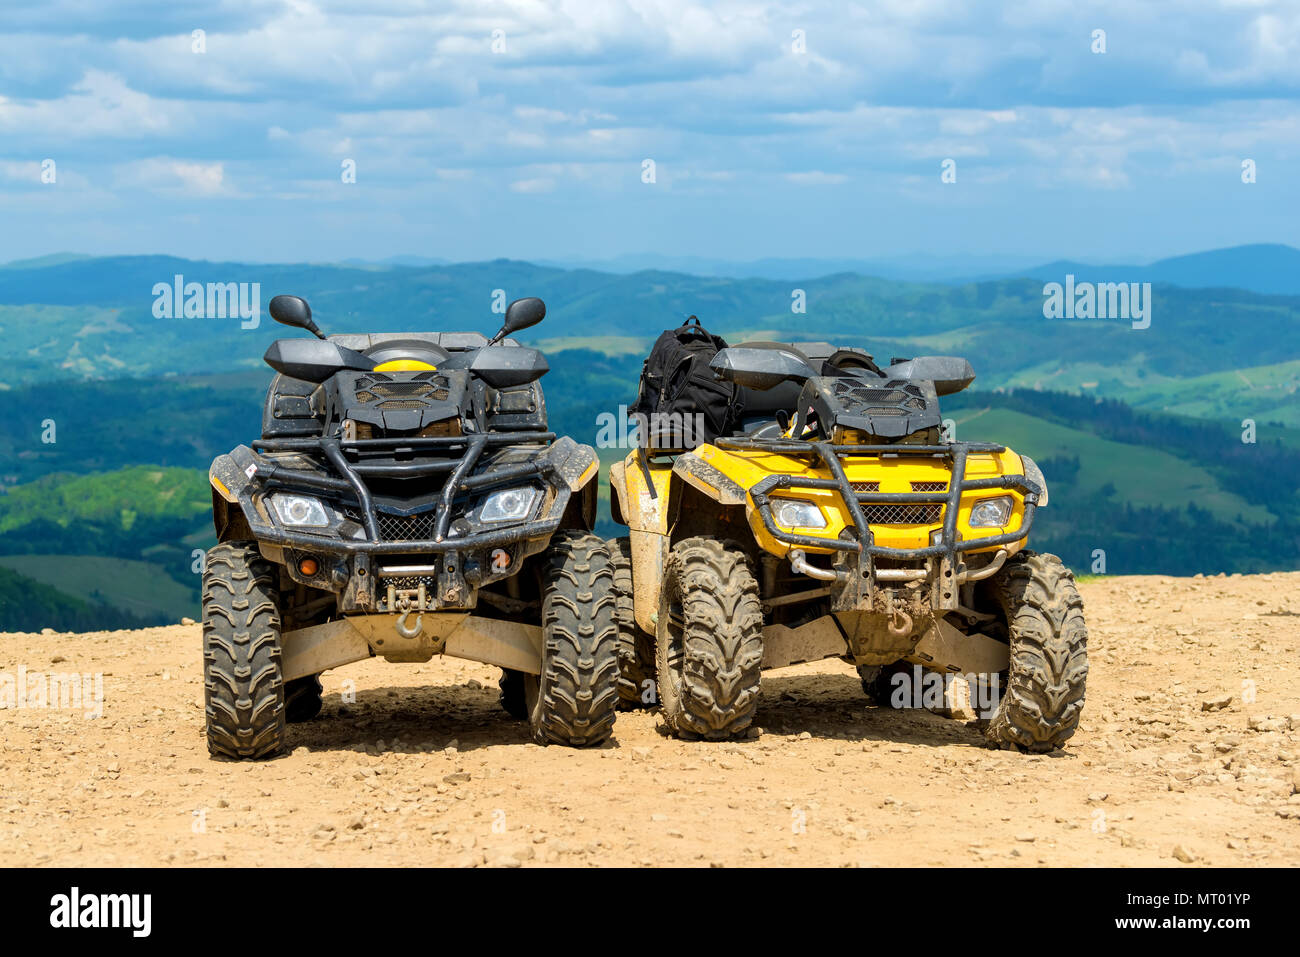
(835, 520)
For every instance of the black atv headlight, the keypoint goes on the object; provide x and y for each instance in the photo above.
(300, 511)
(508, 505)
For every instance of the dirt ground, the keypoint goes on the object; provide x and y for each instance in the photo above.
(424, 769)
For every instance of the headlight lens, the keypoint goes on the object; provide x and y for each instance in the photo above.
(302, 511)
(791, 513)
(508, 505)
(991, 513)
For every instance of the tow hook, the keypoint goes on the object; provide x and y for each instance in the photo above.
(403, 602)
(409, 631)
(900, 622)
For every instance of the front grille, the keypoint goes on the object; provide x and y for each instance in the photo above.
(399, 528)
(387, 389)
(392, 404)
(444, 428)
(929, 486)
(406, 528)
(411, 582)
(867, 394)
(856, 394)
(903, 514)
(425, 387)
(865, 486)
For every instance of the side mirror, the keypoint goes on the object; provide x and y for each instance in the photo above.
(760, 369)
(520, 314)
(293, 311)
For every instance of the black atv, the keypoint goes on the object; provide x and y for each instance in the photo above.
(406, 500)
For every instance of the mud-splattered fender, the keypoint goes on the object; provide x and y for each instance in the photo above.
(578, 469)
(575, 465)
(702, 476)
(233, 480)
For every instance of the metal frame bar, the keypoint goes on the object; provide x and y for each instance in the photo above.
(948, 546)
(353, 474)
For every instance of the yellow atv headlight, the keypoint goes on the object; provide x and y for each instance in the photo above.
(792, 513)
(991, 513)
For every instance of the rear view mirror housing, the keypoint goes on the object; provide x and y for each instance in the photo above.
(520, 314)
(293, 311)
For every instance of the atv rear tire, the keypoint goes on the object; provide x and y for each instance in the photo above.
(709, 644)
(1044, 691)
(243, 685)
(575, 698)
(302, 699)
(636, 648)
(513, 701)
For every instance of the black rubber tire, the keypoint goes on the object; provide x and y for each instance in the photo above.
(709, 644)
(243, 685)
(575, 699)
(878, 682)
(302, 699)
(636, 648)
(512, 697)
(1044, 691)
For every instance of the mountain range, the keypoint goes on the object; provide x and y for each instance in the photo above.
(1171, 448)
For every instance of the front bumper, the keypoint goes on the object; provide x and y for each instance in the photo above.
(441, 569)
(856, 572)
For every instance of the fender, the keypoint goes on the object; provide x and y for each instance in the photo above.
(230, 477)
(649, 511)
(711, 481)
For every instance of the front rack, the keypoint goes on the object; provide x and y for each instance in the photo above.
(949, 545)
(351, 479)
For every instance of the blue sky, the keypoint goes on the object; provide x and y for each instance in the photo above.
(535, 149)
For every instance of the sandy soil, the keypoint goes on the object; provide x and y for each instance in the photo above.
(425, 770)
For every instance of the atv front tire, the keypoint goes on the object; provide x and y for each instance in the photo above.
(709, 645)
(243, 685)
(574, 700)
(636, 648)
(1044, 690)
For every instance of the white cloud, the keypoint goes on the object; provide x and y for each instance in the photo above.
(538, 185)
(167, 175)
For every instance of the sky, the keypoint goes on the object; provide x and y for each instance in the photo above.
(524, 129)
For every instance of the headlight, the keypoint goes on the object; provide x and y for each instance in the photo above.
(991, 513)
(790, 513)
(1035, 475)
(303, 511)
(508, 505)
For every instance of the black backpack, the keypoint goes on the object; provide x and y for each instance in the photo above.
(676, 381)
